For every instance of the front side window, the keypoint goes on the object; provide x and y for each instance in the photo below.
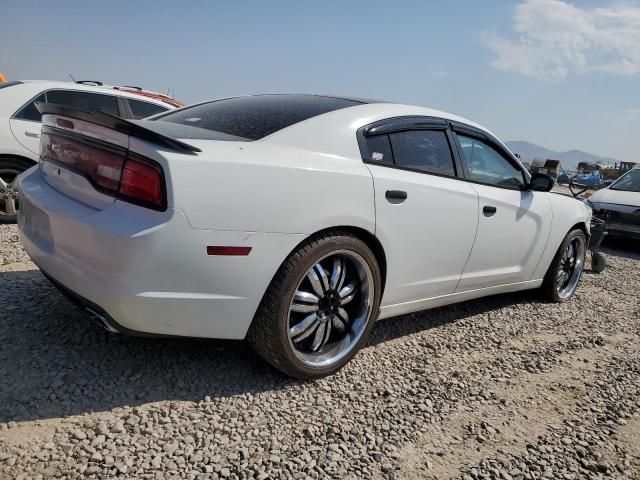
(425, 150)
(486, 165)
(89, 102)
(29, 111)
(141, 109)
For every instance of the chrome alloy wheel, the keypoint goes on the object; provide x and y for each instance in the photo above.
(570, 268)
(8, 192)
(330, 308)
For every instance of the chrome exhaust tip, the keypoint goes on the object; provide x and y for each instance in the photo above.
(102, 321)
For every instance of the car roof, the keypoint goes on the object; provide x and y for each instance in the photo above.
(105, 89)
(336, 128)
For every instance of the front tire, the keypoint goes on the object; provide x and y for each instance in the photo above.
(320, 306)
(10, 168)
(565, 271)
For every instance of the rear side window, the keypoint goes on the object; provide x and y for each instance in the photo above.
(142, 109)
(425, 150)
(257, 116)
(29, 111)
(379, 149)
(90, 102)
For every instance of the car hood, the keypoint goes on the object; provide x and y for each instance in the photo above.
(618, 197)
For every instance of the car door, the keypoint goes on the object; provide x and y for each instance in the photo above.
(426, 216)
(25, 125)
(513, 221)
(26, 122)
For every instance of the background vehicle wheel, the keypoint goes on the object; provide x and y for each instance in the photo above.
(320, 307)
(10, 168)
(598, 262)
(565, 271)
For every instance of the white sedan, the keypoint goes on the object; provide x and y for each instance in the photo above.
(294, 221)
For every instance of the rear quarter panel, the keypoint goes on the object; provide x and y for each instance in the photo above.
(254, 187)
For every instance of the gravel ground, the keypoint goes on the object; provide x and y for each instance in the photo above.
(506, 387)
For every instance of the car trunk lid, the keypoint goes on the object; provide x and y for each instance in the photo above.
(86, 156)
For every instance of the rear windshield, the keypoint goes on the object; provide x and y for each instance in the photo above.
(255, 117)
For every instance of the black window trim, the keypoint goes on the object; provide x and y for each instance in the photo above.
(405, 124)
(416, 122)
(126, 107)
(121, 110)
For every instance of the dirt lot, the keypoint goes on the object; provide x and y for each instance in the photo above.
(506, 387)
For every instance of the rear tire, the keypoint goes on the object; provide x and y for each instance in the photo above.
(10, 168)
(564, 274)
(320, 307)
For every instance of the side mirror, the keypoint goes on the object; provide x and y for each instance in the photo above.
(540, 182)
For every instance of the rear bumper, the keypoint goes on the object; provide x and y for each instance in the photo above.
(145, 271)
(94, 310)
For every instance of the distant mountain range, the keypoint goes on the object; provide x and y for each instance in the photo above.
(569, 160)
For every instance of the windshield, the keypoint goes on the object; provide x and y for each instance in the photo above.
(629, 182)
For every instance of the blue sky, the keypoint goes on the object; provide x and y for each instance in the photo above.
(562, 75)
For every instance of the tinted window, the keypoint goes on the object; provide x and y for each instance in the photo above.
(144, 109)
(379, 149)
(258, 116)
(30, 112)
(486, 165)
(89, 102)
(426, 150)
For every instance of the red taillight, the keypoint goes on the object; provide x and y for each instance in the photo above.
(142, 182)
(102, 166)
(110, 169)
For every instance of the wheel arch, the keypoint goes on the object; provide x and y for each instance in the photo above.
(582, 226)
(361, 233)
(9, 156)
(371, 241)
(364, 235)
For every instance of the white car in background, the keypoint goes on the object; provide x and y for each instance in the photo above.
(20, 121)
(619, 205)
(292, 220)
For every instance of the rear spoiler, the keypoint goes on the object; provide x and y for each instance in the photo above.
(116, 123)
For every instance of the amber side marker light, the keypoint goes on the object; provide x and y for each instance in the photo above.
(228, 251)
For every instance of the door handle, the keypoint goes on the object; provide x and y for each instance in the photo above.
(489, 211)
(395, 196)
(32, 134)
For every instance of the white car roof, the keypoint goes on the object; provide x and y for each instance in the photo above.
(49, 84)
(15, 96)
